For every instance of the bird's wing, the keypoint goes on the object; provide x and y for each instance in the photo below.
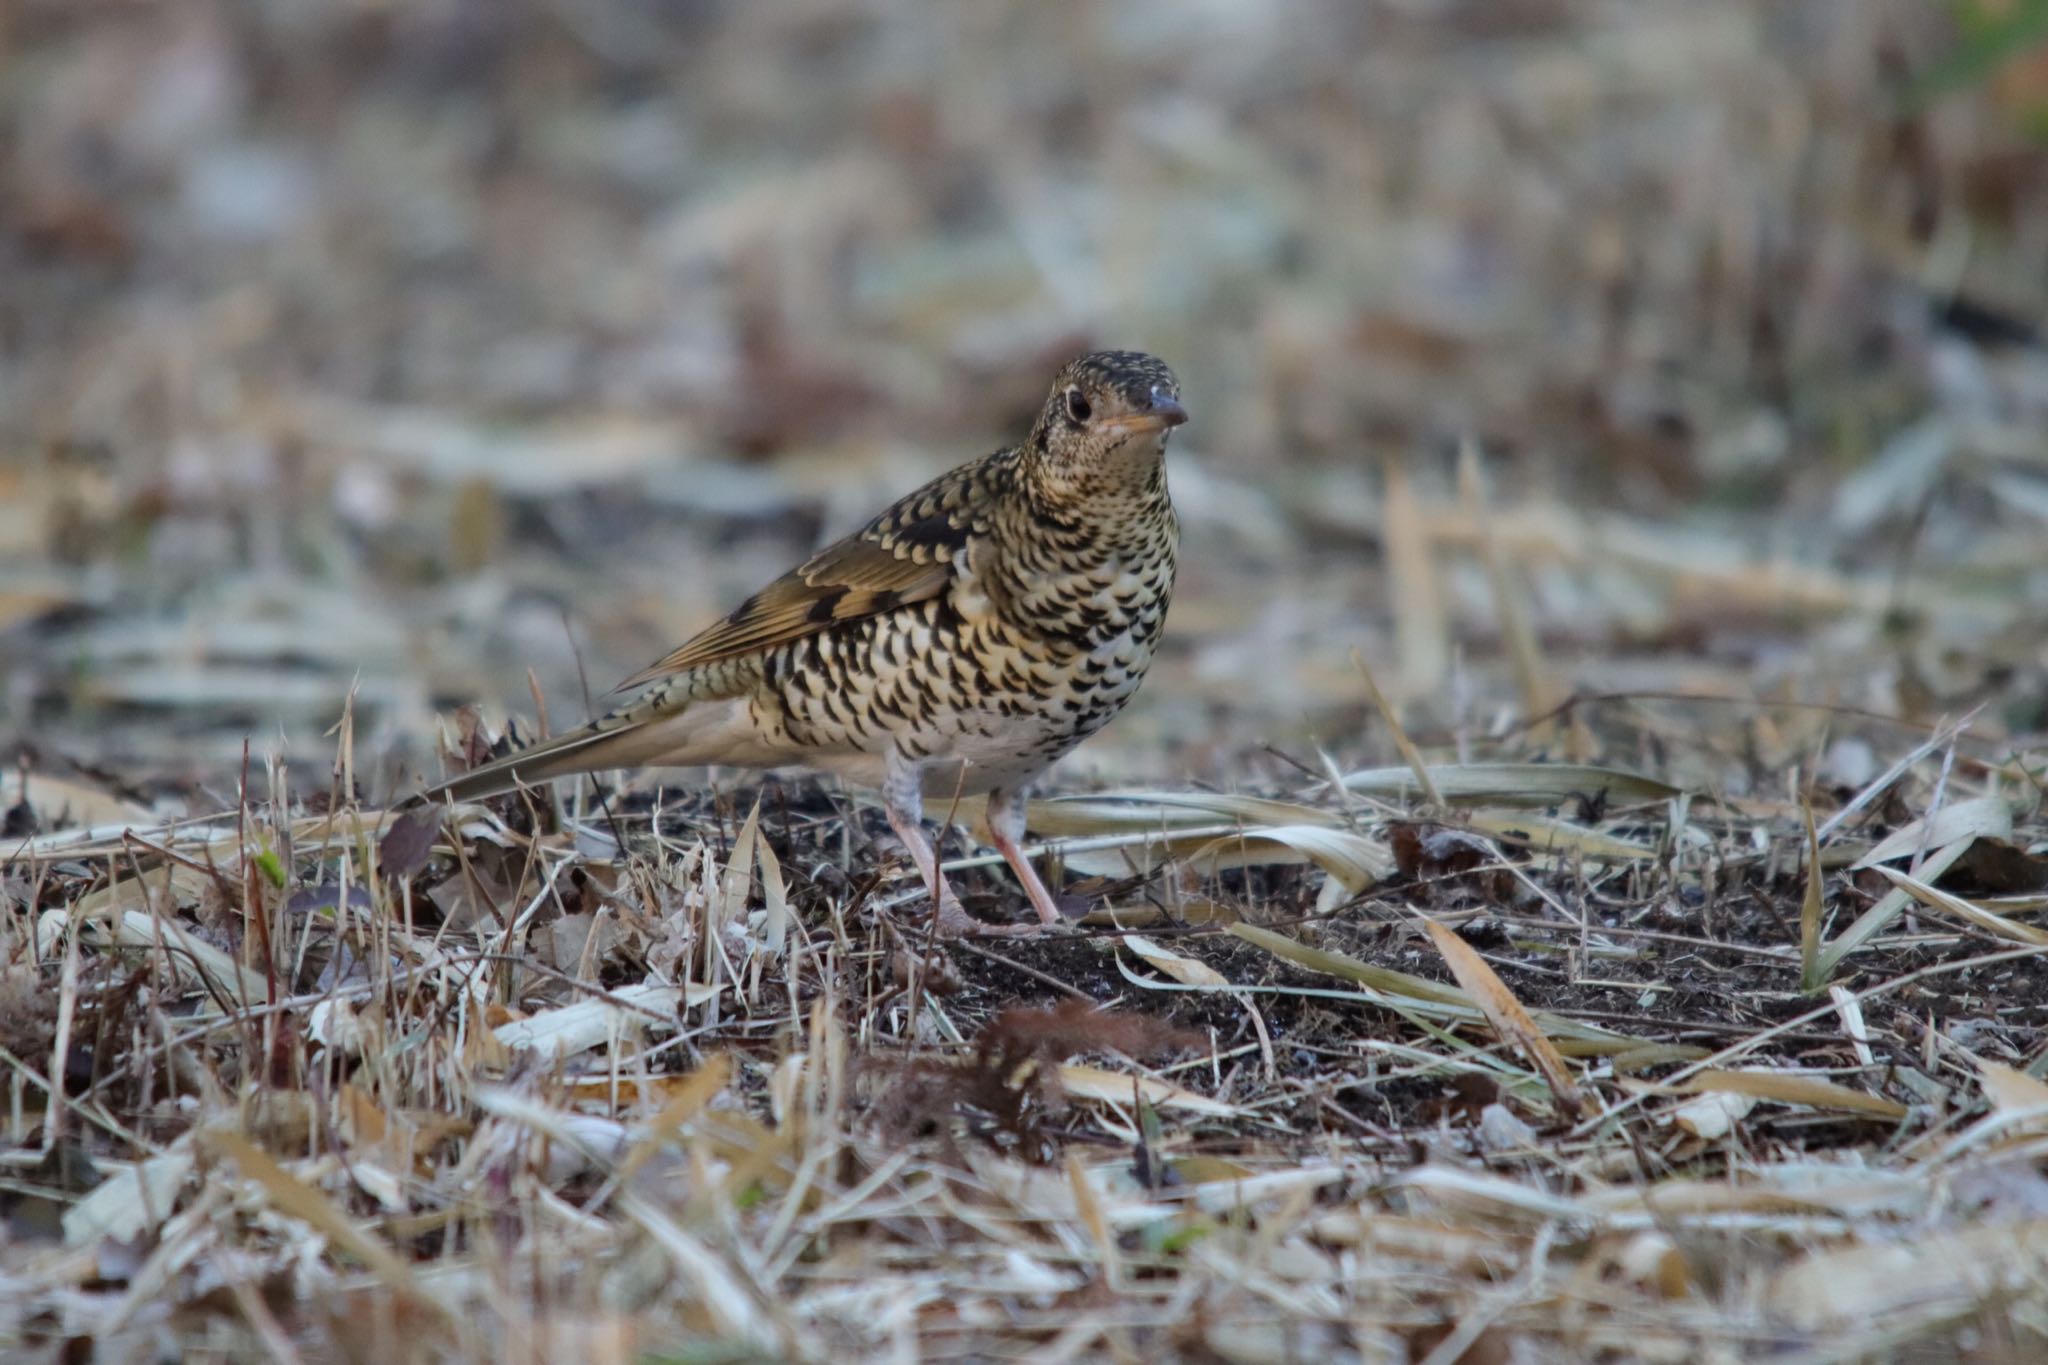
(904, 556)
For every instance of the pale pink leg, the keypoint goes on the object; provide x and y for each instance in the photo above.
(903, 798)
(1006, 828)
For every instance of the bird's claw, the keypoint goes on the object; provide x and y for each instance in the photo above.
(955, 922)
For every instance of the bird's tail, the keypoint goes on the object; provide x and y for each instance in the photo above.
(662, 730)
(579, 751)
(623, 739)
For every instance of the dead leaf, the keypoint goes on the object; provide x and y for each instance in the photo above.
(405, 847)
(1508, 1017)
(1183, 969)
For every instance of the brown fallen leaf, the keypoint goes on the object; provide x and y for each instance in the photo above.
(1509, 1019)
(404, 848)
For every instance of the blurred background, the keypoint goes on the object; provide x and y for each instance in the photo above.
(398, 349)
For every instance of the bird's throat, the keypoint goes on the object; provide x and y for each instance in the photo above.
(1112, 480)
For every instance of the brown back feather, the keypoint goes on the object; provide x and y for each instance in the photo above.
(902, 557)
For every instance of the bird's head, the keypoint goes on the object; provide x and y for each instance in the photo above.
(1105, 423)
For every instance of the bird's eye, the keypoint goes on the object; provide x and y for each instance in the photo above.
(1077, 406)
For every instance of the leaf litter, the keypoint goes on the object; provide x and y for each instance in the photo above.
(744, 1059)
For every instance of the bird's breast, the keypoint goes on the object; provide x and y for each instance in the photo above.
(1029, 650)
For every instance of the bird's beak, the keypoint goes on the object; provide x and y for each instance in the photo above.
(1163, 413)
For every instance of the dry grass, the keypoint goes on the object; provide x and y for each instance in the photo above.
(1572, 887)
(498, 1089)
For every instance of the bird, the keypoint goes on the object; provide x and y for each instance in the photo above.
(958, 644)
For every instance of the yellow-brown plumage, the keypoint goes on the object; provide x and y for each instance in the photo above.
(960, 642)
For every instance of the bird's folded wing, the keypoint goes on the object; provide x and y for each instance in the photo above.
(857, 577)
(907, 554)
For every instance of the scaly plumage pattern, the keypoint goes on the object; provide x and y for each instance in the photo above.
(959, 643)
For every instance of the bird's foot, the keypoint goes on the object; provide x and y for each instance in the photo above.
(955, 922)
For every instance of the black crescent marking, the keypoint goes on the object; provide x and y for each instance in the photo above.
(827, 605)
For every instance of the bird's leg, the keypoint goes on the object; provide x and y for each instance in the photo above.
(903, 797)
(1006, 828)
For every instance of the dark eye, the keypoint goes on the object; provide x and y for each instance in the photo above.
(1077, 406)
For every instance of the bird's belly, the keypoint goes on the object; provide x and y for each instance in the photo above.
(977, 751)
(976, 748)
(964, 751)
(981, 708)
